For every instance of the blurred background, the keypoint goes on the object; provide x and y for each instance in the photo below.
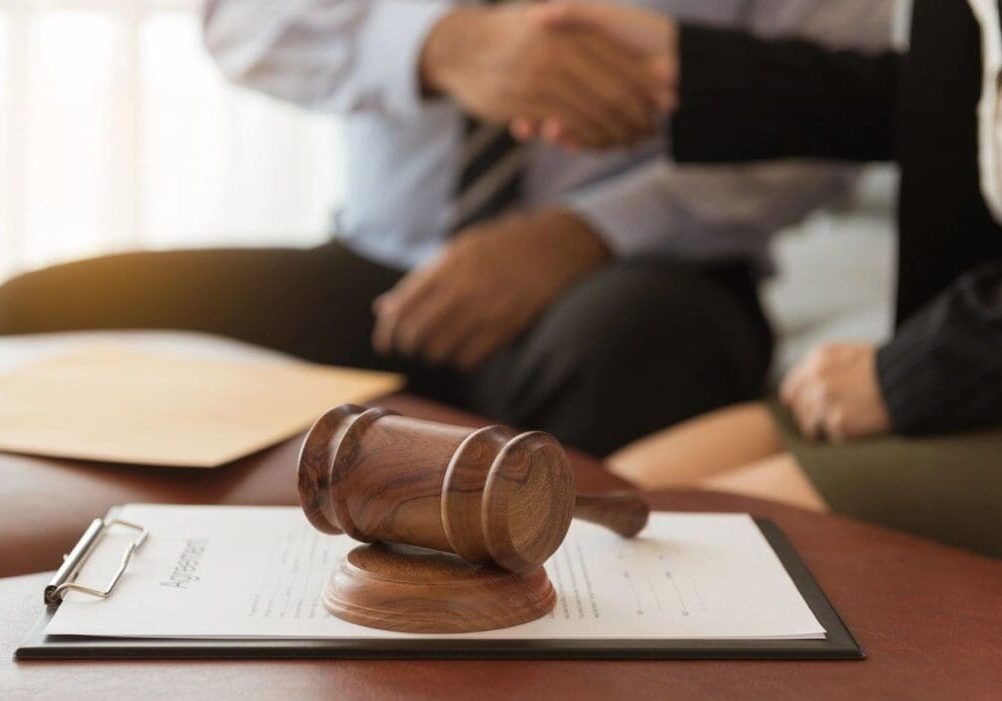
(117, 132)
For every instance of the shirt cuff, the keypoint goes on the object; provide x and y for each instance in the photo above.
(390, 50)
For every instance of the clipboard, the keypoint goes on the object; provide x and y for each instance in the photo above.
(839, 643)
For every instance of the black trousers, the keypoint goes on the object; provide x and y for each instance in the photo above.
(632, 348)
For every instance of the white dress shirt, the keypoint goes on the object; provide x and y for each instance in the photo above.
(990, 105)
(358, 58)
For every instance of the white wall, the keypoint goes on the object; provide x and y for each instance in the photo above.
(117, 132)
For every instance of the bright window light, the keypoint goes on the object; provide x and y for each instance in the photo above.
(118, 132)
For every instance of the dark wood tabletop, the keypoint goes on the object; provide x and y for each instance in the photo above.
(927, 615)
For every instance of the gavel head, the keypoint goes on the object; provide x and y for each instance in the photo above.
(488, 495)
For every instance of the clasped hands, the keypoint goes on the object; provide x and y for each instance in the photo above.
(561, 71)
(579, 74)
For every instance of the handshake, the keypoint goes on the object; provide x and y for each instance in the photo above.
(580, 75)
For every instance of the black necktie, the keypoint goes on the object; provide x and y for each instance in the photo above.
(490, 177)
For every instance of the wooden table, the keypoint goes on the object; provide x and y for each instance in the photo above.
(927, 615)
(48, 503)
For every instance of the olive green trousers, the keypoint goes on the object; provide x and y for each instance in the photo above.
(944, 487)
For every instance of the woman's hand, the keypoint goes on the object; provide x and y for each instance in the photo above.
(834, 393)
(651, 34)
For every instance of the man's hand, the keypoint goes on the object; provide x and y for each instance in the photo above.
(516, 60)
(485, 289)
(648, 32)
(834, 393)
(652, 35)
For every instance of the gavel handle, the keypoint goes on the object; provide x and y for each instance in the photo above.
(623, 512)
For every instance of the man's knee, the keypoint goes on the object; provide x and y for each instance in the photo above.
(630, 350)
(29, 302)
(119, 291)
(632, 316)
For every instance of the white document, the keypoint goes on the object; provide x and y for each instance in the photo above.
(257, 573)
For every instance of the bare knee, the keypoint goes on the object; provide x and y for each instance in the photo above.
(779, 478)
(699, 448)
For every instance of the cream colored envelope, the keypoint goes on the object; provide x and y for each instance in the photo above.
(119, 404)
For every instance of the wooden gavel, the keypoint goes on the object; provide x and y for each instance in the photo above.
(489, 495)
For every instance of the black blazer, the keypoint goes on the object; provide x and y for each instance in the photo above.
(749, 99)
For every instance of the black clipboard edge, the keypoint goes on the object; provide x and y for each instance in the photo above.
(839, 644)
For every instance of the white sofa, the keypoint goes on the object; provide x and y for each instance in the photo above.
(836, 273)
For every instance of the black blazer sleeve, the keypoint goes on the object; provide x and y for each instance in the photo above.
(744, 98)
(943, 370)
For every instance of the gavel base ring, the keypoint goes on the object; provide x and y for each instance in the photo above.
(415, 590)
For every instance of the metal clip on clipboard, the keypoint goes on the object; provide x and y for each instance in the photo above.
(64, 580)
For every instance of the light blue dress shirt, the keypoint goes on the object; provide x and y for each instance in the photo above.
(358, 58)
